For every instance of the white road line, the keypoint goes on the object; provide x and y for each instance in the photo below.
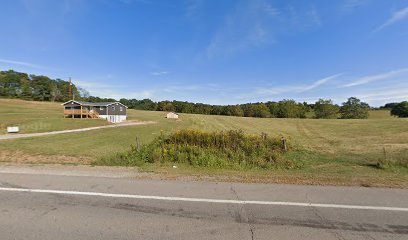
(206, 200)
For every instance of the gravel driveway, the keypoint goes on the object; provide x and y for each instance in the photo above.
(14, 136)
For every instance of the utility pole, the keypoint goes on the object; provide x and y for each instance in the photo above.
(71, 96)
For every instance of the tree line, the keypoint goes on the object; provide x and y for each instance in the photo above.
(42, 88)
(287, 108)
(32, 87)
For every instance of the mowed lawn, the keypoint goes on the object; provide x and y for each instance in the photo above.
(332, 151)
(34, 117)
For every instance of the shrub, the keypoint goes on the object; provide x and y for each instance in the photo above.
(223, 149)
(400, 110)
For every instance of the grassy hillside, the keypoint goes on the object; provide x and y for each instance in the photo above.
(34, 117)
(335, 150)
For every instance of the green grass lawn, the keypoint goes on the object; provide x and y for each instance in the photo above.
(34, 117)
(334, 151)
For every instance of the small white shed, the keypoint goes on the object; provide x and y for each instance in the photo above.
(172, 115)
(13, 129)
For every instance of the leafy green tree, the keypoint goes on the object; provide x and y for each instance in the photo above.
(83, 93)
(248, 109)
(11, 83)
(235, 110)
(389, 105)
(166, 106)
(41, 86)
(26, 91)
(273, 109)
(400, 110)
(354, 109)
(217, 110)
(291, 109)
(326, 109)
(55, 93)
(261, 110)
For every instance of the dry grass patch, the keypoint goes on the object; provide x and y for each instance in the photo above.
(21, 157)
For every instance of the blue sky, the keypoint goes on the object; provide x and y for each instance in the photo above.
(214, 51)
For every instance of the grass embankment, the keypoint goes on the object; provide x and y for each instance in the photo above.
(33, 117)
(332, 151)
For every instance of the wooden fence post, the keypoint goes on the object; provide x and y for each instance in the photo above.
(284, 146)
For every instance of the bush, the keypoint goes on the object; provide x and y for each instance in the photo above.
(400, 110)
(224, 149)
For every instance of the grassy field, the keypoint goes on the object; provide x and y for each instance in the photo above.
(34, 117)
(334, 151)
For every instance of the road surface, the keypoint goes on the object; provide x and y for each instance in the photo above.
(103, 203)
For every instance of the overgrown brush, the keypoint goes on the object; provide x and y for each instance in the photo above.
(392, 159)
(223, 149)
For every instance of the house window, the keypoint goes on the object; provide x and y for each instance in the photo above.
(113, 108)
(121, 109)
(101, 108)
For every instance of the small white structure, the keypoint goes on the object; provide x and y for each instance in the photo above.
(172, 115)
(13, 129)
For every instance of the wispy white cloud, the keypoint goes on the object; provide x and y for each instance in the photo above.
(192, 7)
(296, 88)
(173, 88)
(62, 7)
(314, 16)
(135, 1)
(268, 9)
(349, 6)
(257, 23)
(375, 95)
(106, 87)
(396, 17)
(245, 27)
(378, 77)
(139, 95)
(160, 73)
(111, 90)
(20, 63)
(392, 94)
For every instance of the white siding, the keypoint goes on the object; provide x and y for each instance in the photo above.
(114, 118)
(172, 115)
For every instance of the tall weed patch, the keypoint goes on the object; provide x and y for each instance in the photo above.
(220, 149)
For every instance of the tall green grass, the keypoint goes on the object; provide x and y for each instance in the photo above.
(231, 149)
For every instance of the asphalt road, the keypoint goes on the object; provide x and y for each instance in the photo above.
(92, 203)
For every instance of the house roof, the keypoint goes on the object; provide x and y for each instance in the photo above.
(98, 104)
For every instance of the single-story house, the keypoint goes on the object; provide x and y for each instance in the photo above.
(114, 112)
(172, 115)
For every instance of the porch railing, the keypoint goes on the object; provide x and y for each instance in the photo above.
(76, 112)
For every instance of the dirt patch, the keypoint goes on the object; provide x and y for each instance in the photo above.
(20, 157)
